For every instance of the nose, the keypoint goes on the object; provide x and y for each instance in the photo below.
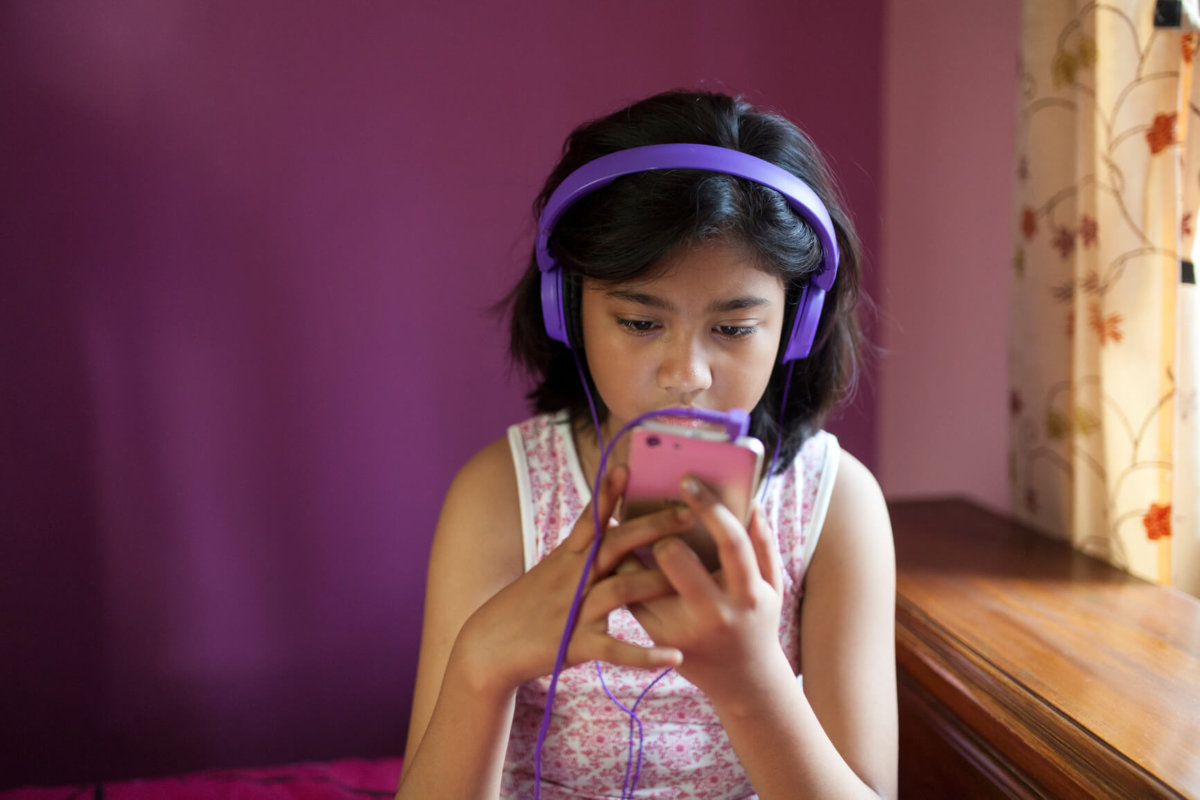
(684, 369)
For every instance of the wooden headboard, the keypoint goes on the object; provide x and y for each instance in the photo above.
(1027, 669)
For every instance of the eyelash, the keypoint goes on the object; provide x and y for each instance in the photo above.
(642, 327)
(638, 326)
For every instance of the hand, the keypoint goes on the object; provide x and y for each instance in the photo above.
(726, 624)
(515, 636)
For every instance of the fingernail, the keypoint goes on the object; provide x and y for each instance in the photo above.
(627, 565)
(664, 546)
(691, 485)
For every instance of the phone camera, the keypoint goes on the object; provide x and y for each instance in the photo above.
(653, 441)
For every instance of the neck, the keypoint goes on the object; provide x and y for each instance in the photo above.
(588, 449)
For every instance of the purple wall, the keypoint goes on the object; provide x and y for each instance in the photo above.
(247, 255)
(947, 236)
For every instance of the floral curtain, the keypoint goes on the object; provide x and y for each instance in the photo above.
(1103, 357)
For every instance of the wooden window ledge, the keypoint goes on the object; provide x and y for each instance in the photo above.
(1027, 669)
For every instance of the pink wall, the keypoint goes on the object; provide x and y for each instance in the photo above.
(949, 101)
(248, 252)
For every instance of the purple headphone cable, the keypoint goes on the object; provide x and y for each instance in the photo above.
(736, 421)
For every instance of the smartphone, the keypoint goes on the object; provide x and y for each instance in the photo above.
(661, 454)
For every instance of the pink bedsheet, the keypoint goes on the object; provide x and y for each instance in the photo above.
(350, 778)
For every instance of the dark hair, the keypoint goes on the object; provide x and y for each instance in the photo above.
(627, 227)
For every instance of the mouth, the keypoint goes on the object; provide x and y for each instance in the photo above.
(685, 422)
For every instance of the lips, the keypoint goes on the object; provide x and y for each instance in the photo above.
(682, 422)
(685, 422)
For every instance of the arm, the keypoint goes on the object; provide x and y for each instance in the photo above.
(489, 626)
(848, 640)
(835, 737)
(474, 555)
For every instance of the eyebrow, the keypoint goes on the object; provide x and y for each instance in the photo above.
(716, 307)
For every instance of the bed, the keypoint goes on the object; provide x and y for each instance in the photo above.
(352, 779)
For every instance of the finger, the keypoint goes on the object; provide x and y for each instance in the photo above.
(686, 573)
(626, 588)
(738, 562)
(645, 610)
(584, 532)
(629, 564)
(611, 489)
(589, 646)
(627, 537)
(765, 548)
(648, 617)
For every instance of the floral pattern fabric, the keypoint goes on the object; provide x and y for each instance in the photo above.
(1104, 441)
(685, 751)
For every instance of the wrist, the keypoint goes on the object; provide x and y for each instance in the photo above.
(476, 669)
(765, 688)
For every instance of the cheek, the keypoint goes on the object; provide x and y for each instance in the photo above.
(755, 379)
(617, 371)
(603, 354)
(753, 371)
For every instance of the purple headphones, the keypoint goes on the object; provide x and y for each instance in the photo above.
(604, 170)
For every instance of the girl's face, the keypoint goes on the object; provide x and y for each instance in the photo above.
(701, 329)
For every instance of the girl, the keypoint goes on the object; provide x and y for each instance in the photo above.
(681, 288)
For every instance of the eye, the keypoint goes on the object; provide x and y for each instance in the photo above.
(735, 331)
(637, 325)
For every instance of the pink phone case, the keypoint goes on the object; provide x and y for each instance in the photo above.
(660, 455)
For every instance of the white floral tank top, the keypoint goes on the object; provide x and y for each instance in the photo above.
(685, 752)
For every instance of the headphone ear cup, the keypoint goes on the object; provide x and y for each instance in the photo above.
(572, 288)
(552, 305)
(804, 329)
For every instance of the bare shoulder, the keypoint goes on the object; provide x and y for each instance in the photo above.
(478, 532)
(858, 516)
(853, 569)
(488, 477)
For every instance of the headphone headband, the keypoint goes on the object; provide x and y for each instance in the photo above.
(602, 171)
